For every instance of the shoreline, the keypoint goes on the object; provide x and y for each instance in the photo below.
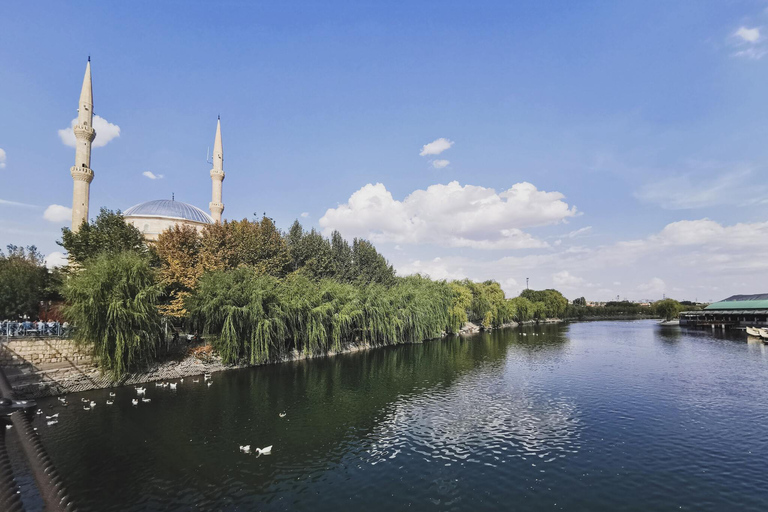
(74, 378)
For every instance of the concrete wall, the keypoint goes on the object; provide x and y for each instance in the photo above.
(44, 351)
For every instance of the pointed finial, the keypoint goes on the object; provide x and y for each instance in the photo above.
(89, 58)
(219, 117)
(173, 196)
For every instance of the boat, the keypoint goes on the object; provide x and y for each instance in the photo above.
(758, 332)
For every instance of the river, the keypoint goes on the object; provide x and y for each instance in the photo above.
(598, 416)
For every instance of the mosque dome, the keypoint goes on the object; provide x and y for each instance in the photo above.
(169, 209)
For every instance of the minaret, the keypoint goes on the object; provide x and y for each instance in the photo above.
(217, 176)
(81, 172)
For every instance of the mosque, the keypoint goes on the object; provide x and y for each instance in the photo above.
(151, 217)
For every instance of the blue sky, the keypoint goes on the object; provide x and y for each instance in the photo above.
(641, 128)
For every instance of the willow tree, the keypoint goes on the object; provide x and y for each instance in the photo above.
(112, 303)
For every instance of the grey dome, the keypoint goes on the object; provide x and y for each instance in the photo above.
(169, 209)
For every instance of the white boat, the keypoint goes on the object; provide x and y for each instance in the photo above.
(758, 332)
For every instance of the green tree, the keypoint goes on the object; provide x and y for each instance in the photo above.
(580, 302)
(667, 309)
(113, 305)
(368, 266)
(109, 233)
(23, 282)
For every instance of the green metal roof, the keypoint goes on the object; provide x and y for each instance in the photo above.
(759, 301)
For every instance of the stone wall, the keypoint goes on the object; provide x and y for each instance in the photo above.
(42, 352)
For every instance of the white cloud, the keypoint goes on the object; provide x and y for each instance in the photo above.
(750, 35)
(2, 158)
(655, 286)
(304, 215)
(105, 132)
(55, 259)
(57, 213)
(450, 215)
(435, 268)
(708, 186)
(15, 203)
(440, 164)
(566, 280)
(703, 258)
(579, 232)
(152, 176)
(436, 147)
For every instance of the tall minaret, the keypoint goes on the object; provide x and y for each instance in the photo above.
(81, 172)
(217, 176)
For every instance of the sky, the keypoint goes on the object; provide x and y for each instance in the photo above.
(606, 149)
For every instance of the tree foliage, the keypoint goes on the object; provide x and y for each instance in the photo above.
(24, 281)
(180, 266)
(667, 309)
(113, 302)
(109, 234)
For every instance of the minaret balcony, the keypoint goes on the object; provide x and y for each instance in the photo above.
(216, 207)
(81, 174)
(217, 174)
(84, 132)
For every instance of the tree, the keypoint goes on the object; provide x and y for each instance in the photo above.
(258, 245)
(113, 305)
(667, 309)
(108, 234)
(368, 266)
(23, 281)
(580, 302)
(178, 251)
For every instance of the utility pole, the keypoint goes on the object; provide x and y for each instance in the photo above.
(526, 283)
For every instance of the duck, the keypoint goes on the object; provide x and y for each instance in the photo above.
(141, 390)
(210, 383)
(84, 400)
(207, 376)
(182, 380)
(62, 399)
(112, 394)
(158, 384)
(8, 427)
(110, 402)
(93, 404)
(282, 415)
(52, 422)
(146, 400)
(264, 451)
(52, 416)
(195, 380)
(135, 401)
(39, 411)
(245, 449)
(173, 385)
(86, 408)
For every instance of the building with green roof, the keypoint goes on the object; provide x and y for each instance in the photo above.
(734, 312)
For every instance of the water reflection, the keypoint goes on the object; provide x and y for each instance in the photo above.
(588, 415)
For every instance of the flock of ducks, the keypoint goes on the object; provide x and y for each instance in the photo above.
(141, 395)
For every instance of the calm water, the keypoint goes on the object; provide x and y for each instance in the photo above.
(588, 416)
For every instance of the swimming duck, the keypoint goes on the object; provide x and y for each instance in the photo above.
(52, 416)
(135, 401)
(173, 385)
(282, 415)
(246, 448)
(264, 451)
(112, 394)
(146, 400)
(52, 422)
(110, 402)
(86, 408)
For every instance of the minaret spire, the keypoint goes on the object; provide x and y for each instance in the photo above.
(217, 175)
(84, 133)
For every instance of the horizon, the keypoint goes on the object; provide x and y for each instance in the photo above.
(481, 142)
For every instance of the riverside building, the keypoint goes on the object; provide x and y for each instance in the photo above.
(733, 312)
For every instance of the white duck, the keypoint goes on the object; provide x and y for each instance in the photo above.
(93, 404)
(210, 383)
(246, 448)
(141, 391)
(52, 416)
(135, 401)
(62, 399)
(146, 400)
(86, 408)
(282, 415)
(264, 451)
(40, 411)
(112, 394)
(110, 402)
(52, 422)
(173, 385)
